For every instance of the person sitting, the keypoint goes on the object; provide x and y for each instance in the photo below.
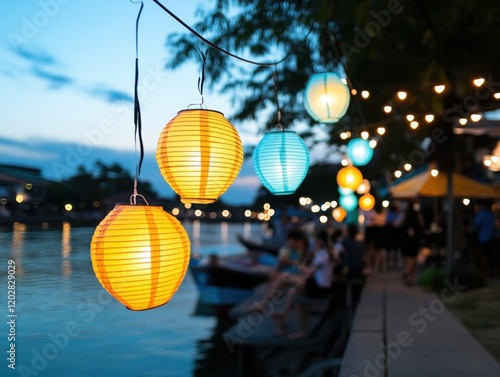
(288, 268)
(315, 281)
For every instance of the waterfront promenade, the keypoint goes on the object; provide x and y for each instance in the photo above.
(401, 331)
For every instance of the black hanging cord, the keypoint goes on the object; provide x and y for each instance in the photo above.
(201, 79)
(276, 99)
(264, 64)
(137, 106)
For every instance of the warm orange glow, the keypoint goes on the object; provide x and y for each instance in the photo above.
(199, 154)
(366, 202)
(339, 214)
(349, 177)
(140, 255)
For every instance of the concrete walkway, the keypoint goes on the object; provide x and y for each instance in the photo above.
(400, 331)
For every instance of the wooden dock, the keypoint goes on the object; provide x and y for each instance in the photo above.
(262, 353)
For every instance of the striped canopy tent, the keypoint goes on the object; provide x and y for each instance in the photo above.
(424, 184)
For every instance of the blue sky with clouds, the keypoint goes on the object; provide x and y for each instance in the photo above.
(67, 73)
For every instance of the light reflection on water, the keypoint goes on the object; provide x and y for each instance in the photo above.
(57, 291)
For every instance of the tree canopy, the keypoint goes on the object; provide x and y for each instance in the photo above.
(385, 46)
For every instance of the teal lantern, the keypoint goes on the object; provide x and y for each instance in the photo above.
(326, 97)
(281, 161)
(349, 202)
(359, 151)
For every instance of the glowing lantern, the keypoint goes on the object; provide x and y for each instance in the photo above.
(199, 154)
(281, 161)
(364, 187)
(349, 202)
(327, 97)
(140, 255)
(349, 177)
(339, 214)
(366, 202)
(359, 151)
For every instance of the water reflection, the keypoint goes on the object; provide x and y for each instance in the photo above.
(247, 229)
(17, 246)
(224, 232)
(66, 249)
(196, 232)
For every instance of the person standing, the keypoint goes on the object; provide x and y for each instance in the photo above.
(484, 222)
(411, 233)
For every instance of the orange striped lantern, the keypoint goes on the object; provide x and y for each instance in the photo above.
(140, 255)
(199, 154)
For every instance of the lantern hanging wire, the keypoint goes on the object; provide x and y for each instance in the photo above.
(279, 127)
(224, 51)
(137, 113)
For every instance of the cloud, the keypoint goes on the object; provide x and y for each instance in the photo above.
(44, 66)
(36, 56)
(55, 80)
(111, 95)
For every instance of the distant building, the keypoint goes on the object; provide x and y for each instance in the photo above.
(22, 189)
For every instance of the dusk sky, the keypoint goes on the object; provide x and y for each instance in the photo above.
(67, 74)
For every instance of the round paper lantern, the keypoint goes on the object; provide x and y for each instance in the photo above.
(281, 161)
(364, 187)
(140, 255)
(199, 154)
(326, 97)
(366, 202)
(349, 202)
(349, 177)
(339, 214)
(359, 151)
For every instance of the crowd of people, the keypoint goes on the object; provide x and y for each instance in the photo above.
(391, 239)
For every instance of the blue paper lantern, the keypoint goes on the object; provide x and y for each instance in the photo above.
(326, 97)
(359, 151)
(281, 161)
(349, 202)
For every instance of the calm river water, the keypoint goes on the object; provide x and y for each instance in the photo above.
(67, 325)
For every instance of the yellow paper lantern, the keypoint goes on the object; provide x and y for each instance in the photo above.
(366, 202)
(349, 177)
(339, 214)
(199, 154)
(140, 255)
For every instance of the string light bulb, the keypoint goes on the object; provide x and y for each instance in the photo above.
(365, 135)
(398, 173)
(434, 172)
(429, 118)
(410, 117)
(439, 89)
(414, 125)
(475, 117)
(462, 121)
(402, 95)
(365, 94)
(381, 130)
(497, 95)
(407, 167)
(478, 82)
(387, 109)
(372, 143)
